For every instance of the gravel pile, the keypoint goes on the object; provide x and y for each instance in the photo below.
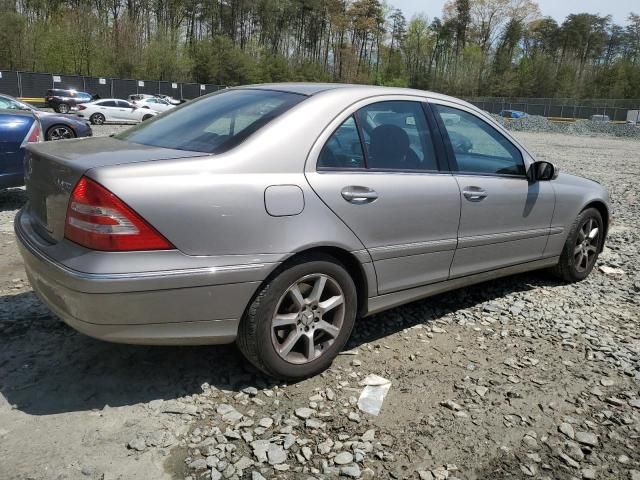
(538, 124)
(517, 378)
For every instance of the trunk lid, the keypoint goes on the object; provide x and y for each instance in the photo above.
(53, 169)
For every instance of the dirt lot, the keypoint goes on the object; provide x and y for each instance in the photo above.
(518, 378)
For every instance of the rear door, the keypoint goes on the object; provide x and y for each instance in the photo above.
(505, 219)
(110, 110)
(378, 168)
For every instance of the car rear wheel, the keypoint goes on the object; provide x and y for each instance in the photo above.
(300, 319)
(59, 132)
(582, 247)
(63, 108)
(97, 119)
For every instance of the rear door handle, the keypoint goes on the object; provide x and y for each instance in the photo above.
(474, 194)
(358, 195)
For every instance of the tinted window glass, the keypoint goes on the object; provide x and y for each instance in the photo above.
(107, 103)
(214, 123)
(123, 104)
(477, 146)
(396, 136)
(343, 149)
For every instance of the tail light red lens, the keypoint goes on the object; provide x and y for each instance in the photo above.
(82, 107)
(34, 135)
(99, 220)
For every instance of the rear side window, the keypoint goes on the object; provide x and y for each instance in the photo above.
(343, 149)
(477, 146)
(394, 135)
(107, 103)
(215, 123)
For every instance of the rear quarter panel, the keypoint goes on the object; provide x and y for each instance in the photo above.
(13, 130)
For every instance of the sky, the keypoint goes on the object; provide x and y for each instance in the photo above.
(558, 9)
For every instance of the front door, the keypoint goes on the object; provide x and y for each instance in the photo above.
(379, 173)
(505, 219)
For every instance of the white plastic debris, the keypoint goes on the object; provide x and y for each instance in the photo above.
(372, 396)
(611, 271)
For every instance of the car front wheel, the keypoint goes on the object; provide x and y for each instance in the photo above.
(582, 247)
(300, 319)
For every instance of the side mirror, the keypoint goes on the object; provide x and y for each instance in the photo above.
(542, 171)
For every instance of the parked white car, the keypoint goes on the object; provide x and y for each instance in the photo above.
(156, 104)
(113, 110)
(170, 99)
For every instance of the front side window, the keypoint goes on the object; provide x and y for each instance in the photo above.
(477, 146)
(214, 123)
(396, 136)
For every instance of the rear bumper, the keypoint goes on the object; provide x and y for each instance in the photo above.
(199, 306)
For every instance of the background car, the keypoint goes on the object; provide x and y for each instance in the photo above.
(156, 104)
(513, 114)
(600, 118)
(170, 99)
(62, 100)
(274, 215)
(136, 97)
(113, 110)
(17, 129)
(54, 126)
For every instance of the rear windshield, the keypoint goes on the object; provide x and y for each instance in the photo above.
(215, 123)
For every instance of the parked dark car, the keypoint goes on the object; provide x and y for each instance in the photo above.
(63, 100)
(513, 114)
(17, 129)
(54, 125)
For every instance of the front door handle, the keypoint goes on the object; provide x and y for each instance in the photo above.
(474, 194)
(358, 195)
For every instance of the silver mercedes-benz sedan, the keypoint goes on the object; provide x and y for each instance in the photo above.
(275, 215)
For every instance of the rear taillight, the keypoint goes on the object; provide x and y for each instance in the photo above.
(81, 107)
(99, 220)
(34, 135)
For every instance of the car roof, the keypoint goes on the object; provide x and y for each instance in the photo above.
(356, 90)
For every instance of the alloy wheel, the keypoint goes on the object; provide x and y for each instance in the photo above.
(308, 318)
(98, 119)
(63, 108)
(586, 246)
(60, 133)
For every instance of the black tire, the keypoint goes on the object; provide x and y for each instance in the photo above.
(147, 117)
(59, 132)
(63, 108)
(97, 119)
(255, 330)
(568, 268)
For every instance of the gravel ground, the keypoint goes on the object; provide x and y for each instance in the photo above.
(517, 378)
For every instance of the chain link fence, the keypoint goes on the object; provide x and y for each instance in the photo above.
(32, 85)
(615, 109)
